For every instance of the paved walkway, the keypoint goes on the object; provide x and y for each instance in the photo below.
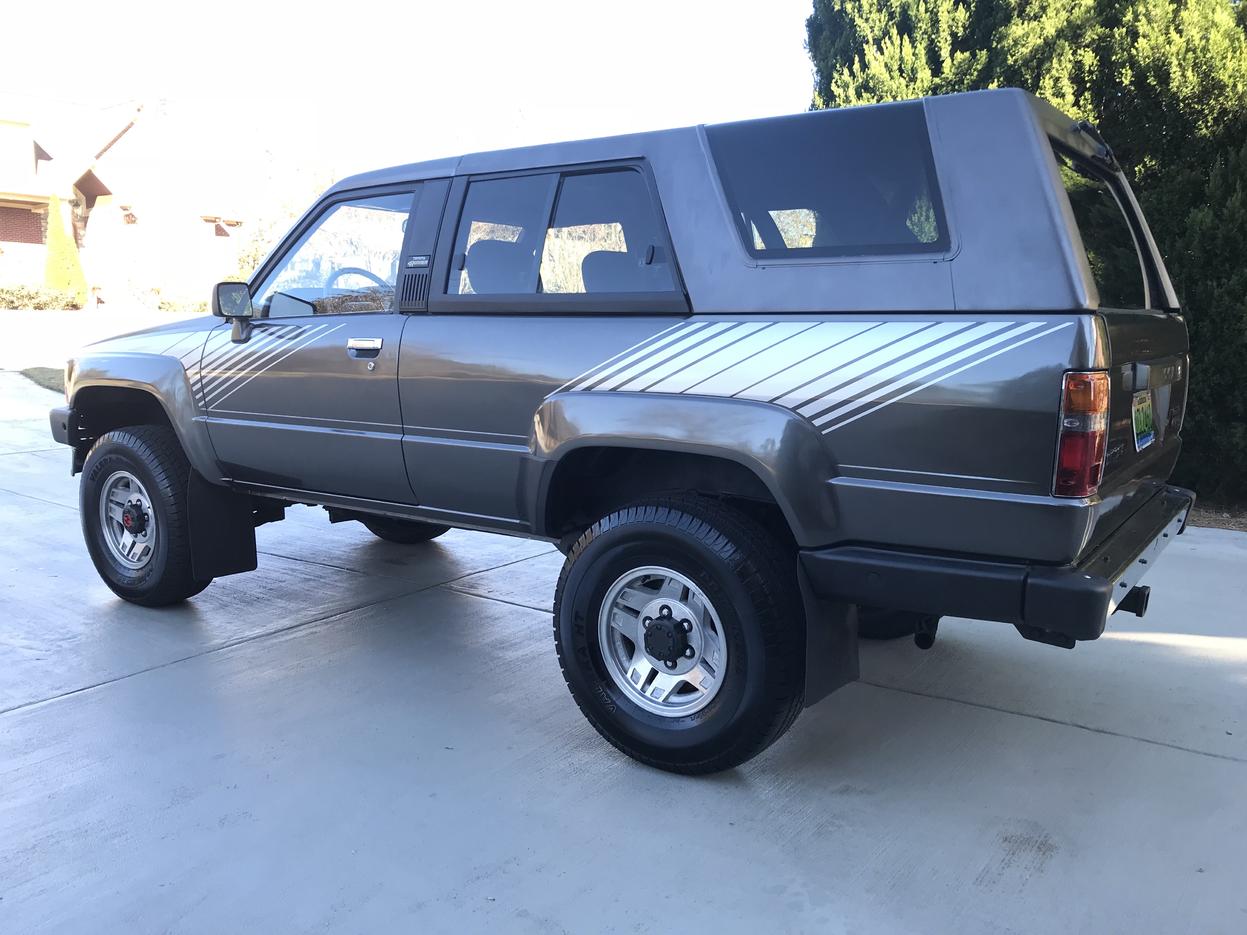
(368, 737)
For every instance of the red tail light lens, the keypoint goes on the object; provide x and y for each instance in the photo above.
(1084, 432)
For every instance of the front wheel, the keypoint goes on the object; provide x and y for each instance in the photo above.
(679, 634)
(134, 515)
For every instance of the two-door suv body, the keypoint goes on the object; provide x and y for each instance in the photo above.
(768, 384)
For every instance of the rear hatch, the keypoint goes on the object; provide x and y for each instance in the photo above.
(1142, 336)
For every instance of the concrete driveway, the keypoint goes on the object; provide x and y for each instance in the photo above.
(368, 737)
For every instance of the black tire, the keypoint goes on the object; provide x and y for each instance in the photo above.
(749, 577)
(875, 623)
(150, 453)
(403, 531)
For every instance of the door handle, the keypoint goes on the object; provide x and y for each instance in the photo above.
(364, 344)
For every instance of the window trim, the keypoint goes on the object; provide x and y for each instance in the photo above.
(940, 250)
(1147, 263)
(311, 218)
(442, 301)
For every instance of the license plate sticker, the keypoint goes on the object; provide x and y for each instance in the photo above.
(1144, 420)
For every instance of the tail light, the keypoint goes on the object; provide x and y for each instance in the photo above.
(1084, 431)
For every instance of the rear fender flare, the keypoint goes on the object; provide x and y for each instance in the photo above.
(784, 451)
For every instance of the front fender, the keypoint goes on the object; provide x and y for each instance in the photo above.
(162, 377)
(783, 450)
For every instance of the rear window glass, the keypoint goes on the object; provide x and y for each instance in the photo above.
(1106, 237)
(834, 183)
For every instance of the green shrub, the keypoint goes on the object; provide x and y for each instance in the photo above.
(36, 297)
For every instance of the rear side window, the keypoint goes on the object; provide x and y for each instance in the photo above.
(576, 233)
(499, 240)
(834, 183)
(1107, 239)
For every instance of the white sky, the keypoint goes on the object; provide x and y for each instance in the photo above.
(269, 99)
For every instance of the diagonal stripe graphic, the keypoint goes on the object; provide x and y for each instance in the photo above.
(675, 368)
(240, 367)
(621, 358)
(753, 352)
(970, 351)
(944, 376)
(228, 368)
(254, 365)
(841, 345)
(677, 337)
(936, 342)
(298, 347)
(648, 362)
(227, 350)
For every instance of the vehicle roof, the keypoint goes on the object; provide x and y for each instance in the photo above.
(1014, 241)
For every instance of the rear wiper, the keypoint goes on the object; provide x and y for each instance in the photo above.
(1105, 152)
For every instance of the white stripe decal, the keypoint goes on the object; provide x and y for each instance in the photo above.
(674, 368)
(298, 347)
(847, 388)
(945, 376)
(648, 362)
(831, 372)
(724, 380)
(830, 414)
(601, 368)
(239, 362)
(259, 364)
(847, 343)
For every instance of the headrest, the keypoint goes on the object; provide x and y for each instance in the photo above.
(499, 267)
(616, 271)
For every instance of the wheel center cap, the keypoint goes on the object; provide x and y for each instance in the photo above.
(133, 519)
(666, 640)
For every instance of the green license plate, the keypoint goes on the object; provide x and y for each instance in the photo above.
(1144, 420)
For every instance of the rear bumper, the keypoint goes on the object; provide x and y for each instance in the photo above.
(1071, 601)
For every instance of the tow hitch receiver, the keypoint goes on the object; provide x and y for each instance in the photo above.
(1136, 601)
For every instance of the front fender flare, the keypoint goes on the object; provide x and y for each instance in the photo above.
(161, 377)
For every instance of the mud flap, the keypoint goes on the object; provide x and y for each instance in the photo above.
(222, 529)
(830, 643)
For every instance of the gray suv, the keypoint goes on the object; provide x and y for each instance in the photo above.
(771, 386)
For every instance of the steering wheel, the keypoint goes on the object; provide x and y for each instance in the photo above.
(347, 270)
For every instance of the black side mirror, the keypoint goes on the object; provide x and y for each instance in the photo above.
(232, 300)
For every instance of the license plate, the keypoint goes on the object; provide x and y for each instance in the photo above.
(1144, 420)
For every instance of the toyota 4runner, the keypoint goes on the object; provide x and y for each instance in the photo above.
(770, 385)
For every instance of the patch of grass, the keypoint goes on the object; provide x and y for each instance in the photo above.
(48, 377)
(1219, 517)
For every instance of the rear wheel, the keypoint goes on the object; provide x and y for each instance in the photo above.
(403, 531)
(134, 515)
(679, 634)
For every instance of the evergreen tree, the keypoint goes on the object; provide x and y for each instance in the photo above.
(62, 268)
(1166, 83)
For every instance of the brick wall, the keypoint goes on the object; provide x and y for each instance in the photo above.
(20, 225)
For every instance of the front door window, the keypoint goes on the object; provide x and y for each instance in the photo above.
(346, 263)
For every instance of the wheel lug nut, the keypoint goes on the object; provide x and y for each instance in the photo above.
(665, 610)
(688, 625)
(647, 622)
(690, 653)
(670, 663)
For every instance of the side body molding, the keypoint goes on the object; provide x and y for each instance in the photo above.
(160, 376)
(781, 448)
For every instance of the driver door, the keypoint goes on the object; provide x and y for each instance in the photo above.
(309, 401)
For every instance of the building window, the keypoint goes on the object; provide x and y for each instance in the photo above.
(20, 225)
